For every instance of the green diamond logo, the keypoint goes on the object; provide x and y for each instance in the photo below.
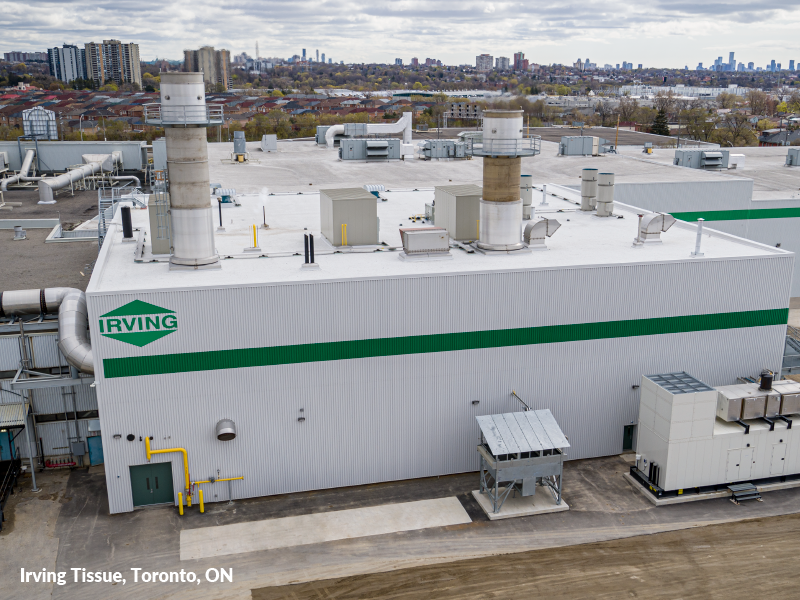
(138, 323)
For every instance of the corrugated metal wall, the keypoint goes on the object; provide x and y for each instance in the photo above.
(387, 418)
(57, 156)
(676, 196)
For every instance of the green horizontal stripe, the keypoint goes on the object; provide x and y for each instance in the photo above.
(738, 215)
(442, 342)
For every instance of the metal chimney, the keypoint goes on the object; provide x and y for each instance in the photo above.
(184, 115)
(501, 214)
(588, 189)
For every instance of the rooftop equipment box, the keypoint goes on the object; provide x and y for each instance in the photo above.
(354, 208)
(793, 157)
(458, 210)
(269, 142)
(579, 146)
(425, 240)
(370, 149)
(711, 160)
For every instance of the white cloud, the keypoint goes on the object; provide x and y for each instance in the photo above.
(659, 33)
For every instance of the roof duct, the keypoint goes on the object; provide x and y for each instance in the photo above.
(23, 172)
(402, 126)
(73, 320)
(605, 194)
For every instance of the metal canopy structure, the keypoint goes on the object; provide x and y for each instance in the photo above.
(520, 450)
(12, 416)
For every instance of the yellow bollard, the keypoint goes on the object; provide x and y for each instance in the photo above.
(344, 234)
(255, 239)
(180, 504)
(200, 495)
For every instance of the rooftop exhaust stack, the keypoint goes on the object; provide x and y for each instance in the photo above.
(588, 189)
(184, 115)
(605, 195)
(500, 226)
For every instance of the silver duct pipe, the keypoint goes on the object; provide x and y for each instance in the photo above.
(23, 172)
(73, 319)
(127, 178)
(46, 186)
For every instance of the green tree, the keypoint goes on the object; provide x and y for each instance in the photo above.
(660, 124)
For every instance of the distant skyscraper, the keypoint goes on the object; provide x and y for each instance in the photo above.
(484, 62)
(323, 58)
(398, 62)
(731, 62)
(317, 55)
(330, 61)
(415, 62)
(640, 66)
(304, 53)
(791, 65)
(699, 66)
(67, 63)
(520, 62)
(750, 66)
(502, 63)
(772, 66)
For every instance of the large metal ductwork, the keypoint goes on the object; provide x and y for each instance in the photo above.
(73, 320)
(94, 163)
(184, 115)
(23, 172)
(500, 226)
(403, 126)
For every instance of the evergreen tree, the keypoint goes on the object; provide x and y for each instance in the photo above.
(660, 125)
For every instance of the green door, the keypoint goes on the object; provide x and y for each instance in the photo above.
(627, 438)
(152, 484)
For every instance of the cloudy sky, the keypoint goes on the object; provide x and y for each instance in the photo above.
(657, 33)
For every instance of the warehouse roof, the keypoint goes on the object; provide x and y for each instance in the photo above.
(582, 240)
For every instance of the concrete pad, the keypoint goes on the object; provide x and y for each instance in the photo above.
(317, 528)
(684, 498)
(521, 506)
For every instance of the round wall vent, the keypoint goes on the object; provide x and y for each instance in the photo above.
(226, 430)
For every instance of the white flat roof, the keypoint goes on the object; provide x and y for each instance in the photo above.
(582, 240)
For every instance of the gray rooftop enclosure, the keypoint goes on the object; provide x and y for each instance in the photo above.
(458, 210)
(354, 207)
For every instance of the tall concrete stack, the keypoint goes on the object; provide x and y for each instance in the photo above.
(185, 116)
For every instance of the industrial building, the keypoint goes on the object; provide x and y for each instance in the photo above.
(218, 347)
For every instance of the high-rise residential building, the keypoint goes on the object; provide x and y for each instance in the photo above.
(323, 58)
(778, 67)
(214, 64)
(502, 63)
(772, 66)
(330, 61)
(484, 62)
(791, 65)
(304, 53)
(699, 66)
(731, 62)
(640, 66)
(25, 56)
(520, 62)
(579, 65)
(415, 62)
(750, 66)
(317, 56)
(67, 63)
(113, 62)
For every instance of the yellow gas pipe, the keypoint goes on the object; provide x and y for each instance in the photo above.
(185, 469)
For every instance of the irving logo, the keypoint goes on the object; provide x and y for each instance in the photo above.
(138, 323)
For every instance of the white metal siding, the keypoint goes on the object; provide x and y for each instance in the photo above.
(388, 418)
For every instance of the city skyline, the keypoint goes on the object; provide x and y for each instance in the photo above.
(609, 31)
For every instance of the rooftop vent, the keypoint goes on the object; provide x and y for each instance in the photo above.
(425, 242)
(535, 233)
(651, 226)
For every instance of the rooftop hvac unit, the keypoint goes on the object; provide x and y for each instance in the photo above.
(425, 242)
(239, 143)
(746, 401)
(269, 142)
(439, 149)
(320, 137)
(702, 159)
(578, 146)
(369, 149)
(793, 157)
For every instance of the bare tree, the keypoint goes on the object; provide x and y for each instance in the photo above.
(726, 100)
(736, 129)
(664, 101)
(627, 109)
(757, 101)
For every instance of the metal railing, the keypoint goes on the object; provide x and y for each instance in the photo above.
(108, 199)
(207, 114)
(530, 146)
